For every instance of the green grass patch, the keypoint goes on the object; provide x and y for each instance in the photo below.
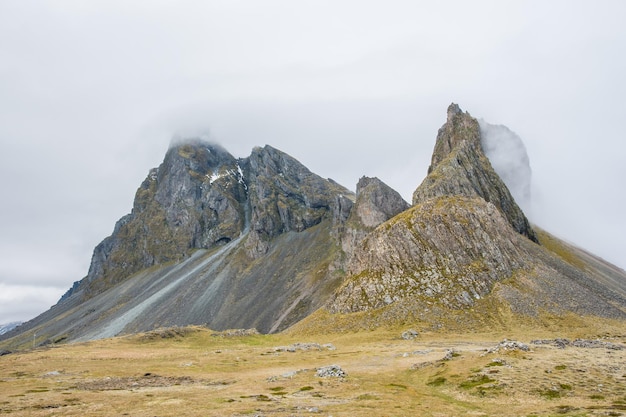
(437, 382)
(550, 394)
(560, 367)
(363, 397)
(307, 388)
(476, 381)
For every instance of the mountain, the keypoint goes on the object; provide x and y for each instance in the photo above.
(262, 242)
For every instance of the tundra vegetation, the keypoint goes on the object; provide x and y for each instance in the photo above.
(194, 371)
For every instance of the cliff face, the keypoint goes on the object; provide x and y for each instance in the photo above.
(195, 199)
(450, 250)
(284, 196)
(375, 203)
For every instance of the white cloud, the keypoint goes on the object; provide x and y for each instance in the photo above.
(23, 302)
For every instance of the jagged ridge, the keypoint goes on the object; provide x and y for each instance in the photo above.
(263, 242)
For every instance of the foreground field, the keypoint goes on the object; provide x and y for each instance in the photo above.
(194, 372)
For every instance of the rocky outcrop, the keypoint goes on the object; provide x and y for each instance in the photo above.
(375, 203)
(456, 242)
(194, 199)
(449, 250)
(285, 196)
(465, 240)
(459, 167)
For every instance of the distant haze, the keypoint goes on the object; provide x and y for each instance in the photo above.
(91, 94)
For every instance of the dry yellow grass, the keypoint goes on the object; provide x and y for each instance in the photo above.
(193, 373)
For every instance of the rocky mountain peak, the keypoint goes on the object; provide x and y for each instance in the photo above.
(376, 202)
(459, 167)
(194, 199)
(284, 196)
(459, 127)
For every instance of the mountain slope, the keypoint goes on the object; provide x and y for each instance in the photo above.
(465, 244)
(263, 242)
(211, 240)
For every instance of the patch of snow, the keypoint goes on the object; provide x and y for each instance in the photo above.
(240, 178)
(214, 177)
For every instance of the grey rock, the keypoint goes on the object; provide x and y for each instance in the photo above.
(459, 167)
(509, 345)
(409, 334)
(195, 199)
(331, 371)
(285, 196)
(450, 250)
(375, 203)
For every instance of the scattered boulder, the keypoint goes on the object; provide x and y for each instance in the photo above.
(304, 347)
(510, 346)
(448, 356)
(410, 334)
(236, 333)
(331, 371)
(596, 344)
(579, 343)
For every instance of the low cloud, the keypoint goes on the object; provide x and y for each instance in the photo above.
(23, 302)
(508, 156)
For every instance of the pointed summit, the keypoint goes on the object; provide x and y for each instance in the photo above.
(459, 167)
(465, 252)
(194, 199)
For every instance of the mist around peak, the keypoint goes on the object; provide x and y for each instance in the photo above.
(507, 153)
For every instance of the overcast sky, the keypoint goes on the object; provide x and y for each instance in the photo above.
(91, 93)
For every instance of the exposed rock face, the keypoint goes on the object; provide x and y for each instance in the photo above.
(201, 197)
(449, 250)
(195, 199)
(459, 167)
(458, 240)
(285, 196)
(375, 203)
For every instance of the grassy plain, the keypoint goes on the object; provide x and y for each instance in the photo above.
(193, 372)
